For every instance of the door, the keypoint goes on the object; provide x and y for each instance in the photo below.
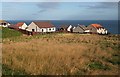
(33, 30)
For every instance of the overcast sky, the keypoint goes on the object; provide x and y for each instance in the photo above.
(59, 10)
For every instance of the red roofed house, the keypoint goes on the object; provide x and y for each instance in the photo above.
(23, 26)
(97, 28)
(20, 25)
(41, 27)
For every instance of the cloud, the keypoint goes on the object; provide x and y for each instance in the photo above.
(106, 5)
(45, 6)
(99, 5)
(96, 11)
(43, 10)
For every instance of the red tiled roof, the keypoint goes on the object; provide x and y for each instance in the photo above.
(44, 24)
(96, 25)
(19, 24)
(16, 26)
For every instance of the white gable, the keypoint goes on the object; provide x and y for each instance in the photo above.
(24, 26)
(69, 28)
(32, 26)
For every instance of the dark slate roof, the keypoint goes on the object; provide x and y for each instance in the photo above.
(64, 26)
(83, 27)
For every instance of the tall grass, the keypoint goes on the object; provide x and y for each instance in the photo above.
(60, 54)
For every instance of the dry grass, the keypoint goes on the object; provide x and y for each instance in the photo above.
(60, 54)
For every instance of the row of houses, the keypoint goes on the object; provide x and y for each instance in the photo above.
(93, 29)
(48, 27)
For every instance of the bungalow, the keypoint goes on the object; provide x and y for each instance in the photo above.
(79, 29)
(4, 23)
(65, 28)
(18, 26)
(41, 27)
(97, 29)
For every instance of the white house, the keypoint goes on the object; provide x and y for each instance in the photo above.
(4, 23)
(41, 27)
(23, 26)
(18, 26)
(97, 28)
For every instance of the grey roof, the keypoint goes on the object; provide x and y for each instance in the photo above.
(64, 26)
(83, 27)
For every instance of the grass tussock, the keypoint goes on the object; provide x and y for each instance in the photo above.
(62, 54)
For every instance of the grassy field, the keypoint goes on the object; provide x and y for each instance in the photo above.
(61, 54)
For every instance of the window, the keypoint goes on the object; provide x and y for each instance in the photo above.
(49, 29)
(4, 24)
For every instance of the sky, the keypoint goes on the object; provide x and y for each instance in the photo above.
(59, 10)
(60, 0)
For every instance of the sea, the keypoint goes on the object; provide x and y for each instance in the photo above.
(111, 25)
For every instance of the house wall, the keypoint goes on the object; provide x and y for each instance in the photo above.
(33, 26)
(23, 26)
(37, 29)
(53, 29)
(6, 24)
(78, 30)
(102, 31)
(87, 31)
(92, 29)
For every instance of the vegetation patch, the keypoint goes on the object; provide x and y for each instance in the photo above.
(114, 60)
(6, 33)
(7, 71)
(104, 44)
(98, 65)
